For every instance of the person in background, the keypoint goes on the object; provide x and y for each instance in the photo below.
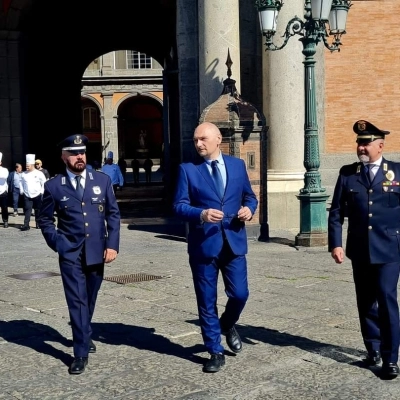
(135, 164)
(14, 181)
(113, 171)
(32, 188)
(38, 166)
(148, 165)
(368, 193)
(4, 192)
(215, 197)
(87, 235)
(123, 166)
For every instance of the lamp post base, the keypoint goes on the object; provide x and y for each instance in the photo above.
(313, 220)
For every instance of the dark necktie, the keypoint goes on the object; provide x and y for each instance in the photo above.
(217, 178)
(79, 188)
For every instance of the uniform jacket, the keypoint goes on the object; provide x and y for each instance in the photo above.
(93, 221)
(196, 191)
(373, 212)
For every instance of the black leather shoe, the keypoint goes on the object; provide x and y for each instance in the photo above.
(92, 347)
(78, 365)
(389, 370)
(233, 340)
(25, 228)
(215, 363)
(373, 359)
(6, 224)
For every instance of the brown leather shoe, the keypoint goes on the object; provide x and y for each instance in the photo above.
(215, 363)
(78, 365)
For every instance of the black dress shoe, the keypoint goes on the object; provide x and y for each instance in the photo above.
(92, 347)
(373, 359)
(25, 228)
(78, 365)
(215, 363)
(389, 370)
(233, 340)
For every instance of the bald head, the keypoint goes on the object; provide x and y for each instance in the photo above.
(207, 139)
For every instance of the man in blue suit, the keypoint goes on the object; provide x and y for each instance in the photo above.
(369, 193)
(87, 236)
(215, 197)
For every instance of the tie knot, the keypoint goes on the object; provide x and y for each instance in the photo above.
(214, 163)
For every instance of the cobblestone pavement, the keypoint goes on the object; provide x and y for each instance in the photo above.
(300, 328)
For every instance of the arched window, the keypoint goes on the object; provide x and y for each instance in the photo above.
(90, 118)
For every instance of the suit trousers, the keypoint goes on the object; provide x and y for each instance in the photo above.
(378, 309)
(81, 286)
(205, 278)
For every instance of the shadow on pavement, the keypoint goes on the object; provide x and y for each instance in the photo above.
(144, 339)
(35, 336)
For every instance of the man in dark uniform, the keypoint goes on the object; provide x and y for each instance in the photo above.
(86, 237)
(369, 192)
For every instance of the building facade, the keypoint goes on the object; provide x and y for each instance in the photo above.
(75, 72)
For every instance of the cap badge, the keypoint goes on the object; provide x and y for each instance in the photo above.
(78, 140)
(362, 125)
(389, 175)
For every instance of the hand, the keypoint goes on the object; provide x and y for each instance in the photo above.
(109, 255)
(338, 255)
(212, 215)
(245, 214)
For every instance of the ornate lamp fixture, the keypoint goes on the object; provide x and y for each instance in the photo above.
(322, 18)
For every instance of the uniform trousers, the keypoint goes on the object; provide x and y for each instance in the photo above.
(16, 194)
(29, 204)
(81, 286)
(4, 206)
(378, 309)
(205, 278)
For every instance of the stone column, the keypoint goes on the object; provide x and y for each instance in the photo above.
(11, 135)
(110, 126)
(283, 88)
(218, 32)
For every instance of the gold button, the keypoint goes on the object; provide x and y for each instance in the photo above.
(83, 203)
(87, 235)
(86, 224)
(370, 227)
(370, 190)
(391, 190)
(370, 202)
(84, 214)
(370, 215)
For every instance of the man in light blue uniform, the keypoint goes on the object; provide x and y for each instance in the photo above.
(113, 171)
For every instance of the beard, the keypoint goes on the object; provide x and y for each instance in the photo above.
(78, 167)
(363, 158)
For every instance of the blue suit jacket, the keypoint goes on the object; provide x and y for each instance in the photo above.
(93, 221)
(373, 212)
(196, 191)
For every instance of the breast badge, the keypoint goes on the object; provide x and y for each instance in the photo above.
(96, 190)
(389, 175)
(101, 208)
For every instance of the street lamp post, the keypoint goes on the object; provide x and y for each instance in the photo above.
(319, 14)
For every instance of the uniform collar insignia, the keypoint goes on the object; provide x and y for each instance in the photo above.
(385, 167)
(63, 180)
(90, 176)
(358, 168)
